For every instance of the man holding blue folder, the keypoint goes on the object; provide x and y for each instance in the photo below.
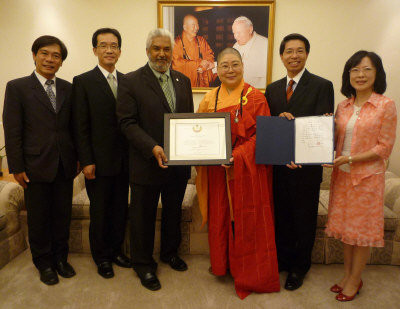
(296, 188)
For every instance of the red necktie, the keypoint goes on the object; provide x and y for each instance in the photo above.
(289, 90)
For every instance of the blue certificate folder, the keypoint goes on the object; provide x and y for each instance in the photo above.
(275, 141)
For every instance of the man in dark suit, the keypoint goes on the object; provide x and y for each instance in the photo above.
(296, 188)
(103, 152)
(144, 97)
(42, 157)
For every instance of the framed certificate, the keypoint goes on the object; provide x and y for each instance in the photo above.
(197, 139)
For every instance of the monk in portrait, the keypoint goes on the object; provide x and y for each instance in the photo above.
(192, 55)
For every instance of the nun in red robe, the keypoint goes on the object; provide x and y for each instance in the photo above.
(237, 199)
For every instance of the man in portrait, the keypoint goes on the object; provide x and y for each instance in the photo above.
(192, 55)
(296, 188)
(253, 48)
(42, 157)
(144, 96)
(103, 152)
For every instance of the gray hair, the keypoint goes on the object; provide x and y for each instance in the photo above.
(243, 19)
(159, 32)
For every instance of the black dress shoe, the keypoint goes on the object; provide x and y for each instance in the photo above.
(294, 281)
(176, 263)
(48, 276)
(65, 269)
(150, 281)
(105, 270)
(122, 261)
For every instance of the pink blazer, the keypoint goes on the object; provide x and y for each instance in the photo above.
(375, 129)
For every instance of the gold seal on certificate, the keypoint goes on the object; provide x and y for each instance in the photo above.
(197, 139)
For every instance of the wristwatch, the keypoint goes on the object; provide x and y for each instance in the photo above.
(350, 160)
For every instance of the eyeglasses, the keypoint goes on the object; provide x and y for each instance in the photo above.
(290, 51)
(104, 46)
(235, 67)
(365, 70)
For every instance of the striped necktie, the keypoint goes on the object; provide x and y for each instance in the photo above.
(113, 86)
(289, 90)
(167, 91)
(50, 93)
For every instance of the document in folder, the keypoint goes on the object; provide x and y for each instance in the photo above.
(304, 140)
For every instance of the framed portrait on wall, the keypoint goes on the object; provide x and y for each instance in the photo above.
(202, 29)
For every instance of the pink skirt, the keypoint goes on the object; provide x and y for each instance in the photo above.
(355, 214)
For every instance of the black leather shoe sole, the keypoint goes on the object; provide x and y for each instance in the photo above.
(105, 270)
(48, 276)
(150, 281)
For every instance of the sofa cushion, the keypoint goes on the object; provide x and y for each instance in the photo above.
(80, 205)
(324, 198)
(326, 178)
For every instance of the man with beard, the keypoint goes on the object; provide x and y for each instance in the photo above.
(144, 96)
(192, 55)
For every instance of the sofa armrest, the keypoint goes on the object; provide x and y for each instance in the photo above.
(11, 203)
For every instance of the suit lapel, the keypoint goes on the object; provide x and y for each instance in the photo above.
(282, 91)
(155, 85)
(300, 88)
(40, 93)
(102, 81)
(177, 86)
(60, 95)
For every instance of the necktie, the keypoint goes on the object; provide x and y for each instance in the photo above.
(113, 86)
(289, 90)
(167, 91)
(50, 93)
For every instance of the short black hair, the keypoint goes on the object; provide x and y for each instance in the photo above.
(106, 30)
(380, 78)
(294, 36)
(46, 40)
(228, 50)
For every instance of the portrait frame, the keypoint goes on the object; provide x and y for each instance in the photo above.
(213, 16)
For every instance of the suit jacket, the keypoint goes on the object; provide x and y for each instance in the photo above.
(140, 109)
(312, 96)
(36, 136)
(97, 136)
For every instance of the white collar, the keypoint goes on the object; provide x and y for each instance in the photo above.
(296, 79)
(105, 72)
(43, 79)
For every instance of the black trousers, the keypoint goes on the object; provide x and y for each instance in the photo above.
(296, 207)
(49, 216)
(142, 218)
(108, 197)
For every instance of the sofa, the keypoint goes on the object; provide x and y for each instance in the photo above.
(12, 240)
(79, 231)
(326, 250)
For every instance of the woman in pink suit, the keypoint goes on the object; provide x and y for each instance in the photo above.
(365, 134)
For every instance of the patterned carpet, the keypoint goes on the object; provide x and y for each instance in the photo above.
(196, 288)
